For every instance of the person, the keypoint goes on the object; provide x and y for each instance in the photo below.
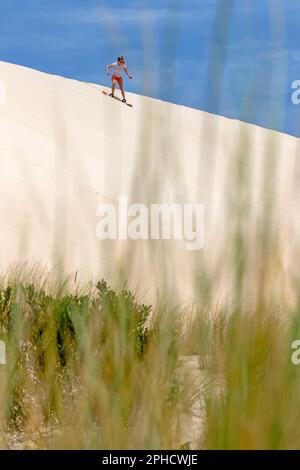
(118, 67)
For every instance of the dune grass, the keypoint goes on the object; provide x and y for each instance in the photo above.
(99, 370)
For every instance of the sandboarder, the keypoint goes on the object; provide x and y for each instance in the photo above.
(118, 68)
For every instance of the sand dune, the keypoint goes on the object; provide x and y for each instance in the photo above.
(65, 148)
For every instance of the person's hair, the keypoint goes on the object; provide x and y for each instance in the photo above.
(121, 58)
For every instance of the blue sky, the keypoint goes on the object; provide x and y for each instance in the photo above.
(237, 58)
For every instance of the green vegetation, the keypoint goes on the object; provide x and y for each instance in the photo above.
(97, 369)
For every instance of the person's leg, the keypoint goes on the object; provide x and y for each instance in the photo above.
(113, 85)
(120, 81)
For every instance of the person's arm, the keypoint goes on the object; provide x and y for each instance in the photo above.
(126, 71)
(108, 67)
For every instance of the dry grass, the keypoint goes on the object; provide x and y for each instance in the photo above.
(85, 371)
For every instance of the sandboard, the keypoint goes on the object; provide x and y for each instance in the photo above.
(116, 98)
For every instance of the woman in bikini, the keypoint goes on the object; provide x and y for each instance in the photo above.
(118, 67)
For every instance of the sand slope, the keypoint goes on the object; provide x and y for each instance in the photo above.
(65, 147)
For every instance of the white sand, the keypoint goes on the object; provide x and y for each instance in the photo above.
(65, 147)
